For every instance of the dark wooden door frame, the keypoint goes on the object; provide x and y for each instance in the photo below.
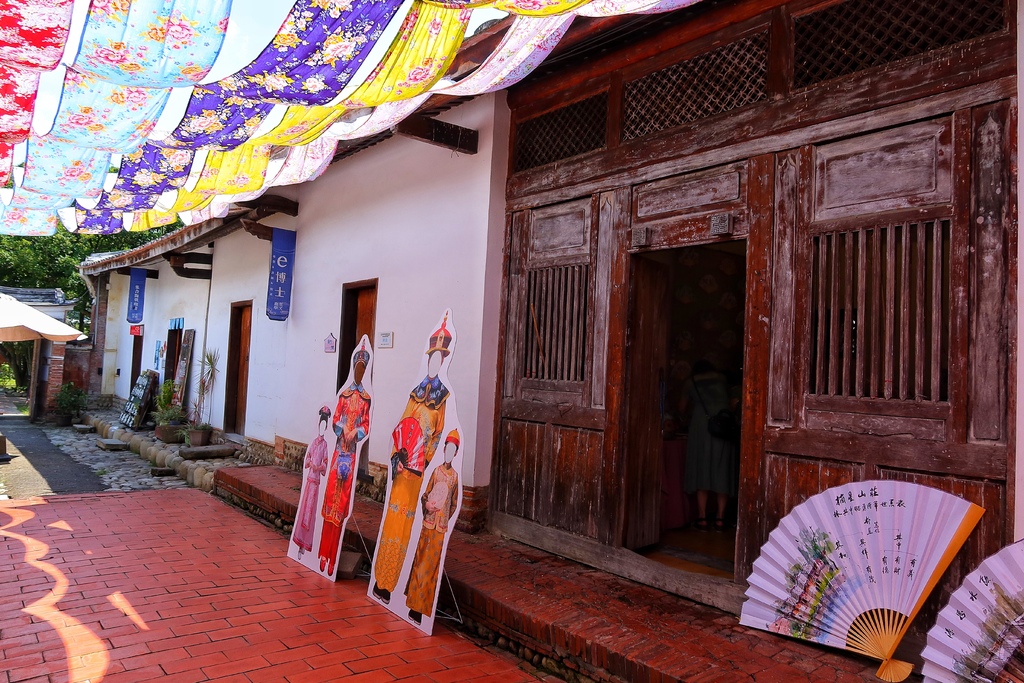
(349, 323)
(137, 344)
(231, 391)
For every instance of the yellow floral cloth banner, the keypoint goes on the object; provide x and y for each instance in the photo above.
(530, 8)
(418, 57)
(240, 170)
(147, 220)
(300, 126)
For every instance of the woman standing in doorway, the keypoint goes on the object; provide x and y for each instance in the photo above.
(711, 467)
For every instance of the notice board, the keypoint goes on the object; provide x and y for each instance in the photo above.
(137, 405)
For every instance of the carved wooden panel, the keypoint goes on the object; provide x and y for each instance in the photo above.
(909, 166)
(560, 232)
(519, 480)
(574, 499)
(695, 193)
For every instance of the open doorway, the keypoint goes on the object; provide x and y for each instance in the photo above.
(689, 315)
(236, 389)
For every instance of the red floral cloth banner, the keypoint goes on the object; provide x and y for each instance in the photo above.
(17, 101)
(152, 43)
(33, 32)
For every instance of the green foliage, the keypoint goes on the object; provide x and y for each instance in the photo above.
(166, 395)
(170, 414)
(7, 377)
(71, 400)
(53, 261)
(207, 378)
(19, 360)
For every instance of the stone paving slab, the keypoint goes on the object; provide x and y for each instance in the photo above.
(177, 585)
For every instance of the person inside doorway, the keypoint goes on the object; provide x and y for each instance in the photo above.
(711, 462)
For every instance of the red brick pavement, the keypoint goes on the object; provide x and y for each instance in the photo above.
(177, 585)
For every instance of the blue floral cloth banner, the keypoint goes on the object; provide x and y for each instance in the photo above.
(27, 222)
(57, 168)
(136, 294)
(315, 53)
(103, 115)
(282, 263)
(26, 199)
(144, 175)
(217, 120)
(152, 43)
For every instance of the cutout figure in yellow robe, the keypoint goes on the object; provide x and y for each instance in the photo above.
(412, 451)
(440, 501)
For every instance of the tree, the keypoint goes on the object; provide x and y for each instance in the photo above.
(53, 262)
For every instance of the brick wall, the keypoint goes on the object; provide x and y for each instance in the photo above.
(94, 368)
(56, 374)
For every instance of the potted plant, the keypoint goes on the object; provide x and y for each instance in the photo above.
(199, 430)
(168, 416)
(69, 402)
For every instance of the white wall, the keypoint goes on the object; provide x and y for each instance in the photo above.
(428, 224)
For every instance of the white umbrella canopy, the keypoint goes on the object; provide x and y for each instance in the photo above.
(20, 322)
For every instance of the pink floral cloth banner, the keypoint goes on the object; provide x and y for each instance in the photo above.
(17, 101)
(6, 163)
(538, 8)
(316, 52)
(216, 119)
(27, 222)
(152, 43)
(382, 118)
(97, 113)
(307, 162)
(610, 8)
(57, 168)
(419, 55)
(525, 45)
(33, 32)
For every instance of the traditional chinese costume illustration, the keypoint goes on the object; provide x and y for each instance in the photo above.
(351, 425)
(315, 466)
(413, 449)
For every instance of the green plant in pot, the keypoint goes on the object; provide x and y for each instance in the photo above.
(199, 429)
(69, 402)
(168, 417)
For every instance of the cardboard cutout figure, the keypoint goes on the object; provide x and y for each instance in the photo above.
(439, 508)
(414, 443)
(325, 507)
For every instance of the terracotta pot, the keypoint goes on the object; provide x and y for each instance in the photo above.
(168, 433)
(63, 420)
(199, 437)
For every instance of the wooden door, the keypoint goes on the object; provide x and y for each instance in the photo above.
(358, 317)
(136, 358)
(646, 358)
(172, 352)
(237, 386)
(892, 342)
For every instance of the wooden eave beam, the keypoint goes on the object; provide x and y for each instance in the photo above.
(269, 204)
(150, 274)
(257, 229)
(180, 265)
(440, 133)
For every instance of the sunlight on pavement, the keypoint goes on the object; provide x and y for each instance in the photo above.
(86, 654)
(61, 525)
(118, 600)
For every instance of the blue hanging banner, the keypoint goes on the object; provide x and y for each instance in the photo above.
(282, 259)
(136, 294)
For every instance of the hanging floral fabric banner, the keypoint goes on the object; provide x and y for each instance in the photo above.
(53, 167)
(17, 101)
(315, 53)
(26, 199)
(307, 162)
(240, 170)
(153, 43)
(301, 125)
(27, 222)
(153, 170)
(98, 222)
(524, 46)
(538, 8)
(99, 114)
(6, 163)
(148, 220)
(216, 120)
(610, 8)
(116, 200)
(33, 32)
(382, 118)
(418, 57)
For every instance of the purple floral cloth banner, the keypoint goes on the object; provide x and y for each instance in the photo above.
(144, 175)
(315, 53)
(27, 222)
(152, 43)
(98, 222)
(103, 115)
(57, 168)
(217, 120)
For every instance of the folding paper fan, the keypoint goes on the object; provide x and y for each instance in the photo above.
(851, 566)
(979, 635)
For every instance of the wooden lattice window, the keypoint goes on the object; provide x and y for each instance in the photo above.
(556, 323)
(562, 133)
(859, 34)
(880, 312)
(721, 80)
